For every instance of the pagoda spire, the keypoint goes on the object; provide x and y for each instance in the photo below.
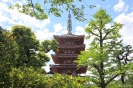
(69, 24)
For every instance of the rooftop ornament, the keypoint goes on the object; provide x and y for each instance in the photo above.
(69, 24)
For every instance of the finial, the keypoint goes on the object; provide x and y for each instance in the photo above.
(69, 24)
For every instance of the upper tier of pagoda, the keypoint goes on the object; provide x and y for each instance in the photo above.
(69, 39)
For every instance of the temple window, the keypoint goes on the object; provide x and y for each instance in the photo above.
(69, 51)
(64, 61)
(73, 73)
(73, 51)
(72, 42)
(62, 51)
(68, 71)
(63, 72)
(65, 51)
(69, 61)
(68, 42)
(65, 41)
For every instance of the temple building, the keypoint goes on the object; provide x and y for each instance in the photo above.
(69, 47)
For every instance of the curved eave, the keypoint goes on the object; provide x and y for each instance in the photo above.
(56, 61)
(65, 55)
(77, 46)
(60, 37)
(70, 56)
(56, 58)
(65, 66)
(81, 70)
(68, 36)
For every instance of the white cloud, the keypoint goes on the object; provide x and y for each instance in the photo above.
(127, 30)
(43, 34)
(126, 8)
(97, 6)
(87, 42)
(46, 68)
(120, 6)
(79, 30)
(5, 1)
(13, 17)
(108, 6)
(8, 27)
(50, 62)
(107, 25)
(60, 29)
(9, 18)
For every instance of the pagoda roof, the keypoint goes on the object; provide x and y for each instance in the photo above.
(82, 69)
(68, 36)
(56, 58)
(65, 55)
(70, 46)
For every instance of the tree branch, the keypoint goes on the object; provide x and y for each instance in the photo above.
(97, 28)
(111, 79)
(108, 33)
(110, 49)
(94, 34)
(129, 60)
(100, 74)
(97, 83)
(32, 5)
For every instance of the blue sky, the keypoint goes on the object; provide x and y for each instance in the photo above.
(119, 10)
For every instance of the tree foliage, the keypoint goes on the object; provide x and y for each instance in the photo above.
(28, 45)
(101, 57)
(55, 7)
(29, 78)
(31, 51)
(24, 77)
(8, 55)
(48, 45)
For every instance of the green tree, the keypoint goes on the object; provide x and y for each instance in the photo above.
(101, 56)
(8, 56)
(126, 73)
(65, 81)
(30, 78)
(24, 77)
(31, 57)
(48, 45)
(124, 58)
(28, 45)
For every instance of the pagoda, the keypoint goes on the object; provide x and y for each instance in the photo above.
(69, 47)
